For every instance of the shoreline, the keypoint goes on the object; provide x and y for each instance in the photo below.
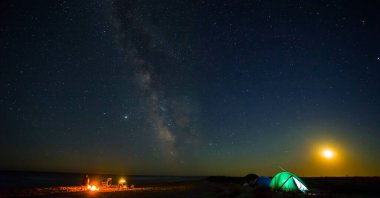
(76, 191)
(212, 187)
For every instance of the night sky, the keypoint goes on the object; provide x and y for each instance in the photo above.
(190, 87)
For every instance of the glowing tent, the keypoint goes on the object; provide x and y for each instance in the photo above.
(288, 182)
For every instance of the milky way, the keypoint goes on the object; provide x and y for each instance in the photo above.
(171, 118)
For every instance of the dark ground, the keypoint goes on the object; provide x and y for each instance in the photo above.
(222, 187)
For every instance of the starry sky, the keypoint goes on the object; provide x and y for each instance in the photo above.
(190, 87)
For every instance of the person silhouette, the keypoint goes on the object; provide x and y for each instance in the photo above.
(85, 182)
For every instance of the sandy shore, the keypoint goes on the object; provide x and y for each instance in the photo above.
(224, 188)
(180, 189)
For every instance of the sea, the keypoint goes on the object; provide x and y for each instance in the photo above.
(21, 179)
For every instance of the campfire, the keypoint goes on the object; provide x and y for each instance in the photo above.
(92, 188)
(107, 185)
(122, 183)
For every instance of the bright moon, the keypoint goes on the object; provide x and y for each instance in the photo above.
(328, 154)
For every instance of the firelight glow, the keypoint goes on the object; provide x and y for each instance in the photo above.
(92, 188)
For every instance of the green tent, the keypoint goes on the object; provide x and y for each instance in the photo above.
(288, 182)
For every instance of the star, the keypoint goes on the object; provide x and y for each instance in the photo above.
(126, 117)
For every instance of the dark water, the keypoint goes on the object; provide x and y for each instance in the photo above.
(15, 180)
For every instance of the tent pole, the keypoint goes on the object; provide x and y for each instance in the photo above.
(285, 182)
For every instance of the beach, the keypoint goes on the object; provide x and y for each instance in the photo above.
(217, 187)
(178, 189)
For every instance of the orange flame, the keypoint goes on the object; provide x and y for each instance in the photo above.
(92, 188)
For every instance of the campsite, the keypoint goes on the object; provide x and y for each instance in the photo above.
(347, 187)
(283, 184)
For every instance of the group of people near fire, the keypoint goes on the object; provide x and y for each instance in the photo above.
(121, 185)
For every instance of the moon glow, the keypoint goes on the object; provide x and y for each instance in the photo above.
(328, 154)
